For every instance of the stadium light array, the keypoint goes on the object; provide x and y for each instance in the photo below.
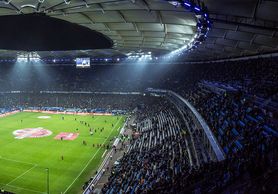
(203, 23)
(140, 55)
(22, 59)
(28, 57)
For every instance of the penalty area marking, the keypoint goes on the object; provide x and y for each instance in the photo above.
(90, 159)
(31, 190)
(17, 161)
(21, 175)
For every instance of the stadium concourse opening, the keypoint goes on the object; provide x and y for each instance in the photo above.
(154, 96)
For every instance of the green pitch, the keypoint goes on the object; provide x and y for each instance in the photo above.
(23, 162)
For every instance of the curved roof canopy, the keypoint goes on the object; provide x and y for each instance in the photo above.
(239, 28)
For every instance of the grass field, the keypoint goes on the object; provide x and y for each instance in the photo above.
(23, 162)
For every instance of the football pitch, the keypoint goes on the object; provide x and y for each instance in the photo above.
(32, 143)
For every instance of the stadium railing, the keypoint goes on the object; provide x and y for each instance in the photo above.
(217, 150)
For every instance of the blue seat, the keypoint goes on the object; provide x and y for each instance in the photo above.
(241, 123)
(225, 150)
(259, 118)
(235, 104)
(265, 133)
(251, 118)
(235, 149)
(220, 131)
(238, 144)
(270, 130)
(235, 132)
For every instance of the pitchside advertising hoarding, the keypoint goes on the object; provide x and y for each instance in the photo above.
(83, 63)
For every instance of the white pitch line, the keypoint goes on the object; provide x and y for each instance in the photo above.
(103, 153)
(27, 189)
(90, 160)
(21, 175)
(99, 138)
(17, 161)
(94, 119)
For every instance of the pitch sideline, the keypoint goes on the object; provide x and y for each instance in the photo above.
(91, 159)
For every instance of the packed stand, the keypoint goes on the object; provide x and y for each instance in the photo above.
(157, 154)
(245, 131)
(87, 102)
(257, 76)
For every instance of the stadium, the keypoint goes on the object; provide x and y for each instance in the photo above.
(138, 96)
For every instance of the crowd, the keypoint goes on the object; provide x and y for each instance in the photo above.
(157, 160)
(247, 133)
(155, 157)
(233, 118)
(237, 99)
(88, 102)
(245, 129)
(260, 73)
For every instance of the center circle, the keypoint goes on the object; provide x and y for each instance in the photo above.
(31, 133)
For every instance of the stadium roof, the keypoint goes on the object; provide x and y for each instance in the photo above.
(239, 27)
